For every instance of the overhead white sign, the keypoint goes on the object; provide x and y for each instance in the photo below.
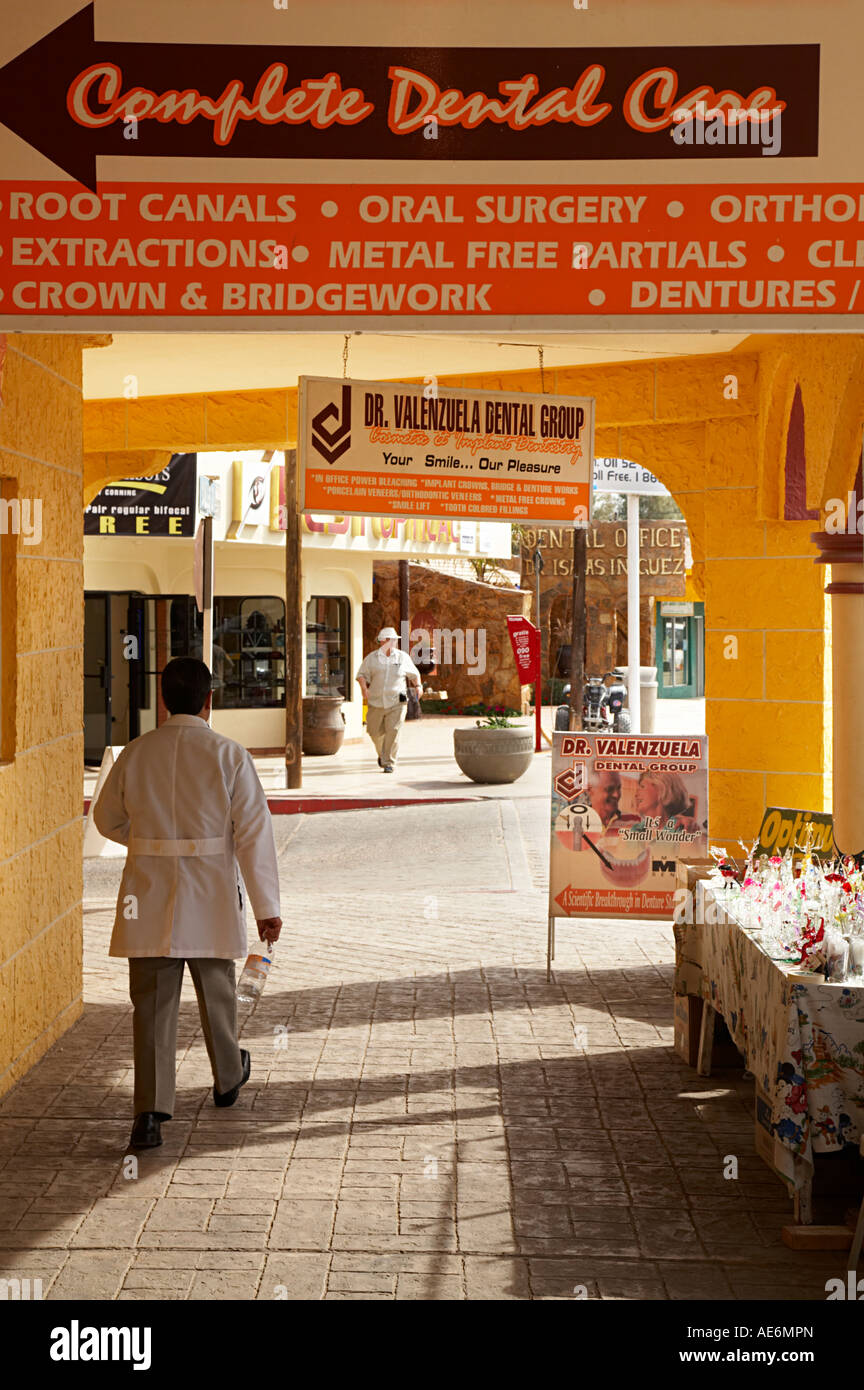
(620, 475)
(394, 449)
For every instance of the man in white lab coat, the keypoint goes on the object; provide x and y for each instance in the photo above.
(188, 804)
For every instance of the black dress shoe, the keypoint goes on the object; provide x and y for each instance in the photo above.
(388, 767)
(228, 1097)
(147, 1130)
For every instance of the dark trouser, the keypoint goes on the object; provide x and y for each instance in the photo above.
(154, 988)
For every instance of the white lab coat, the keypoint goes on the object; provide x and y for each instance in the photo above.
(188, 804)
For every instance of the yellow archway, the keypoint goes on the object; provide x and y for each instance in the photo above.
(714, 429)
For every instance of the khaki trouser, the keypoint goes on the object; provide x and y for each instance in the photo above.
(383, 724)
(154, 988)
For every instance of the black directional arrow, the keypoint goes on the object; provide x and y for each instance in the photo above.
(34, 89)
(35, 86)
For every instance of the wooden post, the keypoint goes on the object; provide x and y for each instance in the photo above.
(803, 1205)
(207, 594)
(706, 1040)
(404, 594)
(293, 629)
(163, 654)
(413, 711)
(578, 627)
(538, 684)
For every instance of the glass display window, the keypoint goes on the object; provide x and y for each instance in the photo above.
(328, 646)
(248, 652)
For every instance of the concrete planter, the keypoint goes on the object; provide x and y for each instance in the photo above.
(493, 755)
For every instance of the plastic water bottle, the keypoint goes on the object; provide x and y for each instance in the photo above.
(255, 973)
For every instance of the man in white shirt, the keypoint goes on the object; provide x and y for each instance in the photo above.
(383, 679)
(188, 804)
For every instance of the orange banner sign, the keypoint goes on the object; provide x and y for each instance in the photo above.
(222, 255)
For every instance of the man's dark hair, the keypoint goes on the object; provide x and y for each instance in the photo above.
(186, 684)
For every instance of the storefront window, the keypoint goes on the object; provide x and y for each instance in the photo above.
(248, 653)
(675, 653)
(248, 648)
(328, 647)
(185, 627)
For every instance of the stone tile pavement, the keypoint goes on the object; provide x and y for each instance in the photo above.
(426, 1117)
(426, 768)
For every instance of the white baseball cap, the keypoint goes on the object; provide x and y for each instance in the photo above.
(387, 634)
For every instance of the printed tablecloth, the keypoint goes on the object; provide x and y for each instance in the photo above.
(803, 1042)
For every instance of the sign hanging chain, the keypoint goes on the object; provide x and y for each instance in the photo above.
(542, 373)
(345, 357)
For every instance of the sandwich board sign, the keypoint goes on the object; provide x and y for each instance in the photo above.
(624, 809)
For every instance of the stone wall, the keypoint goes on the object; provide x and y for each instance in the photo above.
(455, 604)
(662, 575)
(606, 626)
(41, 749)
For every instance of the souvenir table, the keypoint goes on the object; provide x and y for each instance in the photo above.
(802, 1040)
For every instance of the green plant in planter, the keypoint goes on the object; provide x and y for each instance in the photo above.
(497, 721)
(489, 711)
(478, 708)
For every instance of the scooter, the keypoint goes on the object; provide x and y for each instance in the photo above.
(616, 694)
(602, 705)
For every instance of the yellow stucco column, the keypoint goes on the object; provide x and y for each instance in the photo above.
(41, 740)
(845, 555)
